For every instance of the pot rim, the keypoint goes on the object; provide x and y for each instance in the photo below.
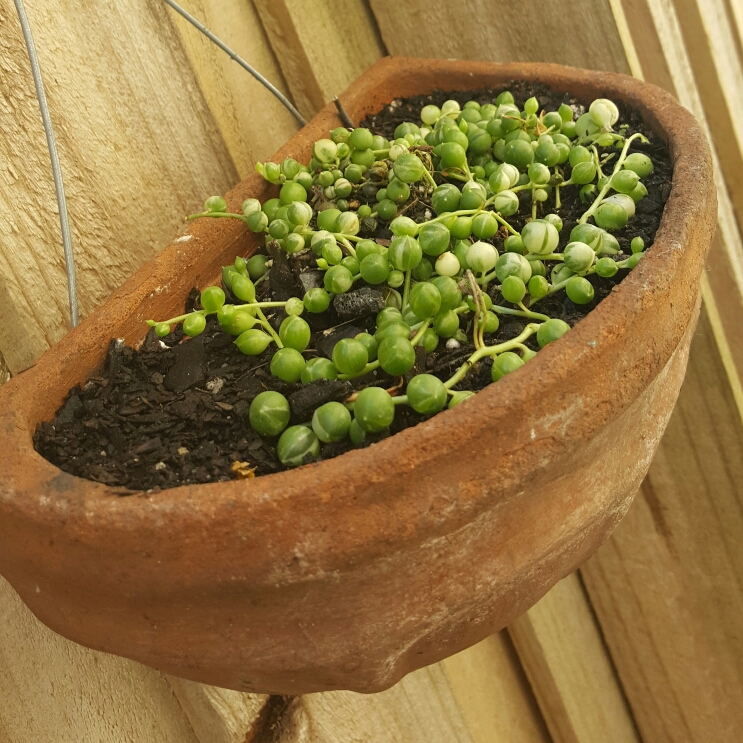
(689, 200)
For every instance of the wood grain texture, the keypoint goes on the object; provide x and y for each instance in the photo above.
(321, 47)
(252, 123)
(478, 696)
(709, 39)
(54, 690)
(560, 645)
(138, 145)
(4, 371)
(507, 31)
(493, 693)
(664, 60)
(668, 585)
(218, 715)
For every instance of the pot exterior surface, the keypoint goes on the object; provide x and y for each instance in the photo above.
(352, 572)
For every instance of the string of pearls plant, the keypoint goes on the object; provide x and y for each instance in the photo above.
(436, 272)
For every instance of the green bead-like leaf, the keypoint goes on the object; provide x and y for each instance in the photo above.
(426, 394)
(374, 410)
(269, 413)
(296, 445)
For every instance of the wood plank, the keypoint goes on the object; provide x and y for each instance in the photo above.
(493, 693)
(252, 123)
(710, 44)
(54, 690)
(219, 715)
(573, 678)
(321, 47)
(668, 585)
(139, 147)
(676, 73)
(512, 31)
(478, 696)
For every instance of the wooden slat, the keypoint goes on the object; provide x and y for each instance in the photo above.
(321, 47)
(493, 693)
(4, 372)
(663, 60)
(564, 656)
(668, 586)
(706, 76)
(735, 18)
(219, 715)
(252, 123)
(507, 31)
(478, 696)
(709, 40)
(138, 143)
(54, 690)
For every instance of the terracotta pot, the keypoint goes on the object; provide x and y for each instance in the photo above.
(355, 571)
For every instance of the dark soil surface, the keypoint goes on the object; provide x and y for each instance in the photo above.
(174, 412)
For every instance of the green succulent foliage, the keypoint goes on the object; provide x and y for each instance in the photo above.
(297, 445)
(450, 189)
(269, 413)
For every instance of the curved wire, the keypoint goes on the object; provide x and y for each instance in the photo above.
(233, 55)
(64, 221)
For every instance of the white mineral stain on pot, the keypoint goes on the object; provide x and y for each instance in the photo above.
(159, 290)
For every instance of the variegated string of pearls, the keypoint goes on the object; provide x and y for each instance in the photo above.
(435, 273)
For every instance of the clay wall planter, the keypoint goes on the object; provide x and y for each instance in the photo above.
(355, 571)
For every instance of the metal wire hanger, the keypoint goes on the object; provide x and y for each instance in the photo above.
(64, 221)
(52, 142)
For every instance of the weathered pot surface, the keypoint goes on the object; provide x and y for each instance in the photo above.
(355, 571)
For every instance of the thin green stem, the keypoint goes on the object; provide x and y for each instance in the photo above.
(454, 176)
(597, 202)
(447, 215)
(267, 325)
(254, 305)
(429, 177)
(504, 223)
(498, 309)
(548, 257)
(371, 366)
(526, 352)
(341, 236)
(597, 161)
(180, 318)
(561, 285)
(406, 290)
(533, 315)
(218, 214)
(347, 245)
(480, 310)
(481, 353)
(526, 187)
(421, 330)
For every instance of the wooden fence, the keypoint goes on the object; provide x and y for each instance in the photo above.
(645, 643)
